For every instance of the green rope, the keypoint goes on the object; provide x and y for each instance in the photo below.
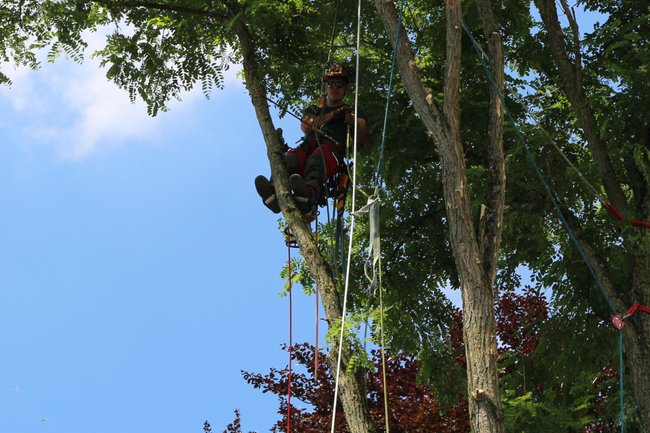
(380, 164)
(553, 200)
(379, 182)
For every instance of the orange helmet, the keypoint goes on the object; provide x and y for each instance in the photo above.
(335, 72)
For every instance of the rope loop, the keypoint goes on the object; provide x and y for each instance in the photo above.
(289, 240)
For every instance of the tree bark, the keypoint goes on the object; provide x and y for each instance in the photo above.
(636, 337)
(353, 395)
(490, 236)
(444, 127)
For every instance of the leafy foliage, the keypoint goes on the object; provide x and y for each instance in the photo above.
(413, 406)
(548, 385)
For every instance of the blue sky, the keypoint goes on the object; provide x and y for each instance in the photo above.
(139, 272)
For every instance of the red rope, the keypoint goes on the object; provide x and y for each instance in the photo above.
(634, 308)
(640, 223)
(619, 216)
(316, 345)
(290, 336)
(615, 213)
(619, 321)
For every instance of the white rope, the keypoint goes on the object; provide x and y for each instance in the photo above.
(349, 259)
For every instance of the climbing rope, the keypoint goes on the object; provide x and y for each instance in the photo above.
(380, 163)
(352, 225)
(375, 238)
(482, 56)
(316, 344)
(333, 35)
(285, 109)
(290, 244)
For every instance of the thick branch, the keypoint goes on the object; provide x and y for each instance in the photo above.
(492, 222)
(452, 72)
(422, 100)
(575, 34)
(570, 77)
(131, 4)
(595, 260)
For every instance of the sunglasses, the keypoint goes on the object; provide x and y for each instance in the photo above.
(336, 84)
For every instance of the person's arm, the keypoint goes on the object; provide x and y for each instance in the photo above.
(311, 122)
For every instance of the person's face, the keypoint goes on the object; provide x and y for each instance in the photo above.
(336, 90)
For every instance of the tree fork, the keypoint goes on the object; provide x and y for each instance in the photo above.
(479, 325)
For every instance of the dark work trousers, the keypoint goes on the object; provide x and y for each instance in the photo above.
(307, 161)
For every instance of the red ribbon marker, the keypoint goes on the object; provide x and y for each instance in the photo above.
(619, 321)
(619, 216)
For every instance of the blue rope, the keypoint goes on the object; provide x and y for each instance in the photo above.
(380, 164)
(553, 200)
(622, 371)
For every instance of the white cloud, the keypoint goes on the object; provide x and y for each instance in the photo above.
(75, 110)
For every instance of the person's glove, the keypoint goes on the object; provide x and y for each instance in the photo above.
(349, 118)
(342, 112)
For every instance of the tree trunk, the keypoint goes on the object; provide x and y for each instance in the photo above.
(637, 329)
(479, 326)
(636, 338)
(353, 394)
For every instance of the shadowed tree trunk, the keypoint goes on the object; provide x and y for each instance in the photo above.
(566, 54)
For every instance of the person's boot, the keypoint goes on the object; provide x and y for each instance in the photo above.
(303, 194)
(266, 190)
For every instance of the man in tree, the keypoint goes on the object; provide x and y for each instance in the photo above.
(321, 153)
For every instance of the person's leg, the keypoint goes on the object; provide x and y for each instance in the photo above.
(266, 191)
(295, 161)
(320, 165)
